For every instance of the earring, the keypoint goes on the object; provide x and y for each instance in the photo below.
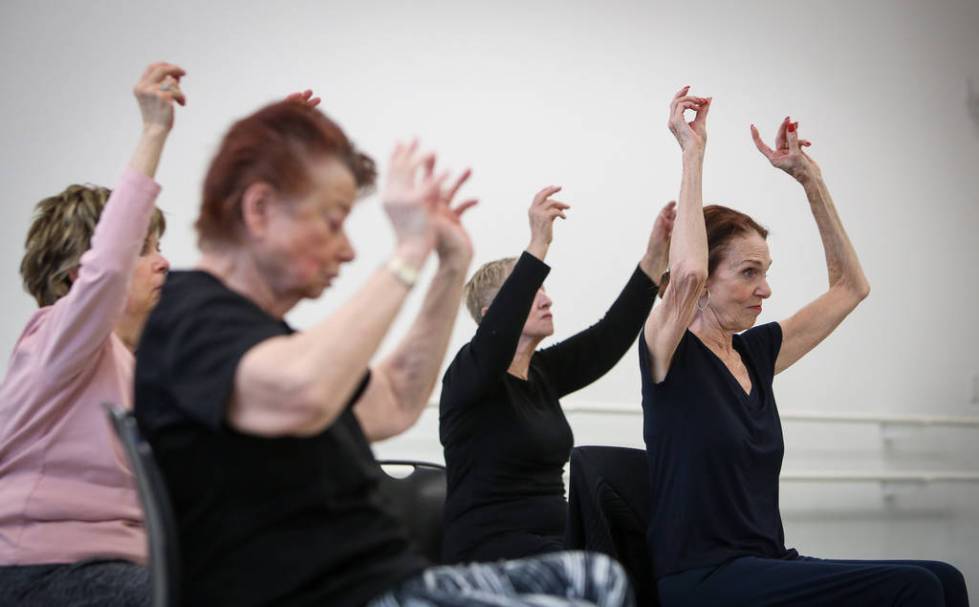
(706, 303)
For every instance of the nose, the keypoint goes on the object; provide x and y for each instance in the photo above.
(346, 252)
(545, 301)
(161, 264)
(764, 291)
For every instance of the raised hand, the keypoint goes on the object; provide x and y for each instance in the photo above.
(452, 242)
(156, 92)
(656, 260)
(304, 97)
(412, 196)
(690, 135)
(543, 211)
(788, 154)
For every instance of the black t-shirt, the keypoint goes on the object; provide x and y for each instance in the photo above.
(262, 521)
(715, 454)
(506, 439)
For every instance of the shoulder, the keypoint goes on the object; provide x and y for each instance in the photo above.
(197, 310)
(763, 338)
(763, 343)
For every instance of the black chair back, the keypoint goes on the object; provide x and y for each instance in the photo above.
(608, 500)
(161, 528)
(418, 500)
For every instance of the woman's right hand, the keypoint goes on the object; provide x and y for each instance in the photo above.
(543, 211)
(411, 197)
(692, 136)
(156, 92)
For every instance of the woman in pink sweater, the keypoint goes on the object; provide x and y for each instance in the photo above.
(71, 528)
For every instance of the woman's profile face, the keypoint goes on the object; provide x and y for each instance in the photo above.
(739, 283)
(540, 321)
(307, 241)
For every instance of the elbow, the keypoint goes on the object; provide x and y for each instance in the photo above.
(688, 278)
(858, 289)
(281, 405)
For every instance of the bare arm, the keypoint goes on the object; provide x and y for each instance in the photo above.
(847, 284)
(667, 322)
(299, 384)
(402, 383)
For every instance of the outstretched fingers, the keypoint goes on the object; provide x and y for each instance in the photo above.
(762, 147)
(454, 188)
(546, 193)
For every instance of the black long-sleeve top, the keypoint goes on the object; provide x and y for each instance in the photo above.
(506, 439)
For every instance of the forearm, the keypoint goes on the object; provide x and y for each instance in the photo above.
(412, 369)
(538, 248)
(688, 246)
(842, 263)
(653, 268)
(319, 368)
(146, 158)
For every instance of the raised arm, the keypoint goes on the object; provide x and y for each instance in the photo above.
(299, 384)
(688, 247)
(847, 284)
(85, 317)
(402, 383)
(586, 356)
(488, 355)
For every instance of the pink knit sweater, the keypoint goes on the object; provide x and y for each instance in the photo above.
(66, 491)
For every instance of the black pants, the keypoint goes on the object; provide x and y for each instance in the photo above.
(83, 584)
(808, 582)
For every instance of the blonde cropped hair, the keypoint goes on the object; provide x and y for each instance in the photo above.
(485, 284)
(61, 231)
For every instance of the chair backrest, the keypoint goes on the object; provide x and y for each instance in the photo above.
(418, 500)
(161, 528)
(608, 501)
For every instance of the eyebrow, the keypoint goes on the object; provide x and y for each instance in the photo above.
(755, 262)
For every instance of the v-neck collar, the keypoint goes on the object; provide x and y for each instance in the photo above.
(753, 396)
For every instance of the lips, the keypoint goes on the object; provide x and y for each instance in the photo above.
(755, 308)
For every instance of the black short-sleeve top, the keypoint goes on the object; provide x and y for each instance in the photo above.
(262, 521)
(715, 453)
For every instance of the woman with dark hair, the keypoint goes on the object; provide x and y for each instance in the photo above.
(711, 426)
(262, 432)
(505, 435)
(71, 529)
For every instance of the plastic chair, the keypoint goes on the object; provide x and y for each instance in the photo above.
(608, 501)
(418, 499)
(161, 528)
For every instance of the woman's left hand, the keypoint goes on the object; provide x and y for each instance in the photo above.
(452, 241)
(788, 154)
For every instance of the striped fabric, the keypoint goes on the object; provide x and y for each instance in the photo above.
(560, 579)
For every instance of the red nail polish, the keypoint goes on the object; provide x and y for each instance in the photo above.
(791, 127)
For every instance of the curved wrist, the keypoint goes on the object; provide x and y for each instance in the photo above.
(538, 249)
(413, 253)
(693, 154)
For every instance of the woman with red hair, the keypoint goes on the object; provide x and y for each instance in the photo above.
(262, 432)
(711, 426)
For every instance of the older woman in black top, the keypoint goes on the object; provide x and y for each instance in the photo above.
(505, 436)
(711, 426)
(263, 433)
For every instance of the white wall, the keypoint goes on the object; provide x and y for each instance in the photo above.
(575, 93)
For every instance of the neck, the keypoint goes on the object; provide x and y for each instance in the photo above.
(128, 328)
(239, 272)
(521, 359)
(706, 327)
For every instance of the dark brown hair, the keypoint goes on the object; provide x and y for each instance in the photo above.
(274, 145)
(723, 225)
